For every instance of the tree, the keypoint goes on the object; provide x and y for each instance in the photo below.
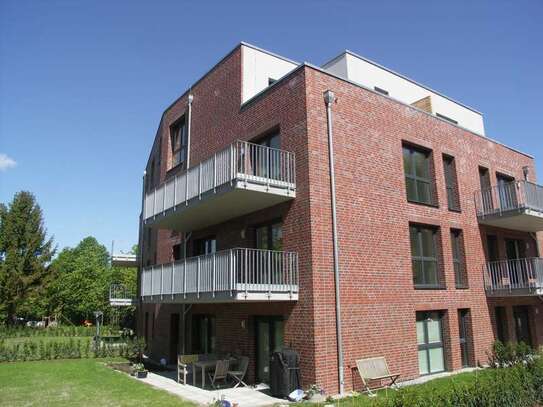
(25, 253)
(82, 279)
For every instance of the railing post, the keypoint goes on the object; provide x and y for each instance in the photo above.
(185, 278)
(214, 172)
(269, 273)
(246, 252)
(200, 181)
(164, 189)
(175, 193)
(154, 204)
(230, 270)
(187, 187)
(173, 277)
(213, 277)
(161, 280)
(152, 268)
(289, 272)
(198, 279)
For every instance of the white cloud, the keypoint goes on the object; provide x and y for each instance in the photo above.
(6, 162)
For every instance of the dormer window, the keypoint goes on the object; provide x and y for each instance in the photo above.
(178, 138)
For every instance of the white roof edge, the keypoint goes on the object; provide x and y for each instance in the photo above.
(354, 54)
(269, 52)
(318, 68)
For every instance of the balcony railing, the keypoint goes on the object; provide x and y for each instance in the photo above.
(514, 277)
(120, 296)
(229, 275)
(509, 197)
(248, 163)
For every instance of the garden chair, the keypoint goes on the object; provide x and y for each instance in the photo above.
(221, 372)
(375, 369)
(184, 366)
(240, 372)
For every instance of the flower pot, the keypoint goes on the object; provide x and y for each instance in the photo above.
(141, 374)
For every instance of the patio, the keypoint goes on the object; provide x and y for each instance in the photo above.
(243, 396)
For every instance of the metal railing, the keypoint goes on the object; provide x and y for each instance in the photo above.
(230, 272)
(120, 295)
(509, 275)
(239, 161)
(507, 197)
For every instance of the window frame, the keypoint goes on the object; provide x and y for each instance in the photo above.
(417, 179)
(183, 142)
(458, 259)
(451, 183)
(422, 258)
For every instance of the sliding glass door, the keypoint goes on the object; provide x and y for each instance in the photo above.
(430, 342)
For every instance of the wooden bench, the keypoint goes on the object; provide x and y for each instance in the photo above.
(373, 369)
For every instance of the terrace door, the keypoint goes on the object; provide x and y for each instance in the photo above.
(507, 192)
(174, 337)
(269, 339)
(516, 250)
(522, 324)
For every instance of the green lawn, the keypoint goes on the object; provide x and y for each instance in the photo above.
(83, 382)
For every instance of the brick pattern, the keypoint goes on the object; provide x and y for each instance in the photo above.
(379, 302)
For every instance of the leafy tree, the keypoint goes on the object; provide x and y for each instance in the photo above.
(82, 279)
(25, 253)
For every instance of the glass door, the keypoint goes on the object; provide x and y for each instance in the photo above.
(269, 339)
(516, 250)
(522, 324)
(430, 342)
(507, 192)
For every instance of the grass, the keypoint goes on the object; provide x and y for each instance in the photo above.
(434, 385)
(84, 382)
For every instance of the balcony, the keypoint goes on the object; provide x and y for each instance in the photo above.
(238, 180)
(519, 277)
(227, 276)
(517, 205)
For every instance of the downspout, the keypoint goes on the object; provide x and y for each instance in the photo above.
(140, 243)
(329, 98)
(189, 121)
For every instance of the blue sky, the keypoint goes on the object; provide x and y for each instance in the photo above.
(83, 83)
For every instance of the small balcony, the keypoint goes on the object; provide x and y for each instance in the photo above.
(227, 276)
(520, 277)
(240, 179)
(517, 205)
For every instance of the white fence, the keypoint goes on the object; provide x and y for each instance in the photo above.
(230, 271)
(241, 160)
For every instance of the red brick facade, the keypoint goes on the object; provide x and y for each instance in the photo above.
(378, 299)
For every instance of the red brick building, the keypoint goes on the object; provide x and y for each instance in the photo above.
(436, 224)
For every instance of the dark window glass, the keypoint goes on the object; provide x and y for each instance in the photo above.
(464, 330)
(501, 324)
(417, 175)
(270, 236)
(178, 251)
(507, 192)
(486, 191)
(457, 243)
(451, 183)
(203, 334)
(492, 248)
(178, 136)
(424, 256)
(430, 342)
(206, 245)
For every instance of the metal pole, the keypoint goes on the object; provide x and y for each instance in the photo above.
(189, 121)
(329, 98)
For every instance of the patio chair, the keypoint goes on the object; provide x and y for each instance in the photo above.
(240, 372)
(184, 366)
(221, 372)
(375, 369)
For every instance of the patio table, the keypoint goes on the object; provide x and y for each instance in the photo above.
(203, 364)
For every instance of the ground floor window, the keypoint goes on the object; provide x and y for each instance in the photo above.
(521, 314)
(464, 330)
(203, 334)
(501, 324)
(430, 342)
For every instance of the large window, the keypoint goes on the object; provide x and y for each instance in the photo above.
(269, 236)
(178, 138)
(430, 342)
(502, 329)
(418, 180)
(451, 183)
(460, 274)
(203, 334)
(424, 256)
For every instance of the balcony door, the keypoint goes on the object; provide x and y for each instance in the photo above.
(269, 339)
(206, 245)
(486, 190)
(521, 315)
(518, 273)
(430, 342)
(507, 192)
(266, 162)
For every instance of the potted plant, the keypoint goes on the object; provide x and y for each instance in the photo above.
(139, 371)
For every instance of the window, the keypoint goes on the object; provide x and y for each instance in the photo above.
(178, 138)
(203, 334)
(206, 245)
(492, 252)
(418, 180)
(424, 256)
(486, 191)
(380, 90)
(269, 236)
(178, 252)
(501, 324)
(442, 116)
(430, 342)
(507, 192)
(460, 274)
(451, 183)
(464, 330)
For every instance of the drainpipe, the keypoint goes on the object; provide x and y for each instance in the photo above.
(189, 120)
(329, 98)
(140, 243)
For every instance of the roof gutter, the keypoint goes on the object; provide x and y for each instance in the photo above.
(329, 98)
